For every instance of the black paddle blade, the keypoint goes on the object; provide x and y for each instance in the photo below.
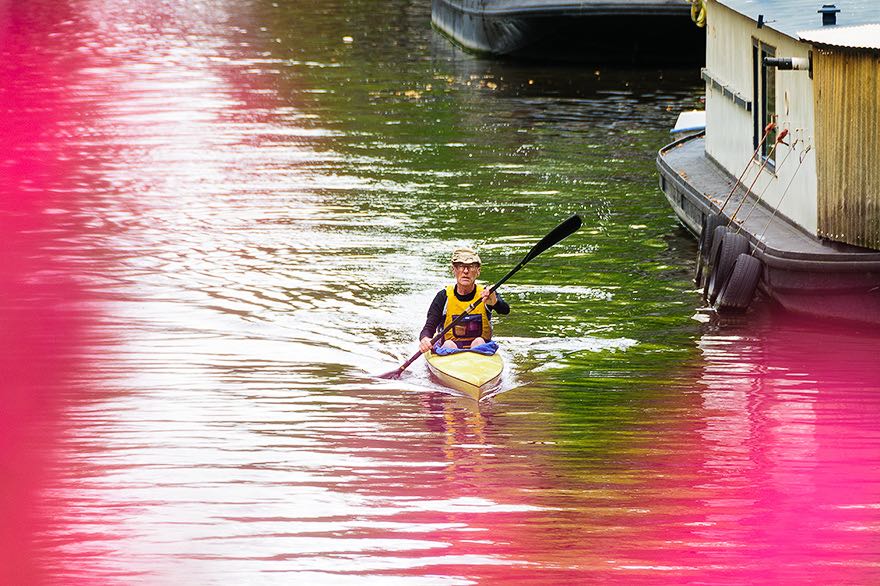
(391, 375)
(560, 232)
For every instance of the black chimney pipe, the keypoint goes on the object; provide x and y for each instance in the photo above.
(829, 14)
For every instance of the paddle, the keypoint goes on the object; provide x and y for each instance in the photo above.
(560, 232)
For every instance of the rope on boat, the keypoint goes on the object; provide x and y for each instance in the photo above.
(779, 139)
(801, 158)
(760, 197)
(698, 12)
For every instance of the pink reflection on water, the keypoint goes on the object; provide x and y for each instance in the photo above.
(791, 451)
(62, 131)
(762, 468)
(39, 329)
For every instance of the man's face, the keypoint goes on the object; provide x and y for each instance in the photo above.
(465, 274)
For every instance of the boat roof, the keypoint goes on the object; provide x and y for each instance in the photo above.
(866, 36)
(791, 16)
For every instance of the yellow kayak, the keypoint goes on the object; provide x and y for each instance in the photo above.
(468, 372)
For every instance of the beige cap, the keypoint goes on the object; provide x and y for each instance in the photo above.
(465, 255)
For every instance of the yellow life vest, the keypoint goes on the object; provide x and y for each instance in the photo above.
(474, 324)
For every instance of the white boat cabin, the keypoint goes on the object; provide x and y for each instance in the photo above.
(813, 69)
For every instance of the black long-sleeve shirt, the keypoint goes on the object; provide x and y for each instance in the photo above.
(435, 311)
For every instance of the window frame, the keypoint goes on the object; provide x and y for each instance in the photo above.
(764, 108)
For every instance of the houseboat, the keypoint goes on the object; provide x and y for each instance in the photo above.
(783, 187)
(602, 31)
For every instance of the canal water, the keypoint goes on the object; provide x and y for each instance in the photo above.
(221, 217)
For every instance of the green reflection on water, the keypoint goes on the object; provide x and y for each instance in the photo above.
(457, 148)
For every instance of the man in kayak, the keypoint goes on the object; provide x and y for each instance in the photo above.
(452, 301)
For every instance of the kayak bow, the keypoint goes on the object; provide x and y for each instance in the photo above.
(470, 373)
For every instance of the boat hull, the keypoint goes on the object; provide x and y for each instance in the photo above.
(800, 272)
(469, 373)
(631, 32)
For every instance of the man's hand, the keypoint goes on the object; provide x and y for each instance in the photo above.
(489, 299)
(425, 345)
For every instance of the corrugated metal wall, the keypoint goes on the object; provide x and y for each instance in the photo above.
(847, 107)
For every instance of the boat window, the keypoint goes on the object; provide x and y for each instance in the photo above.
(764, 97)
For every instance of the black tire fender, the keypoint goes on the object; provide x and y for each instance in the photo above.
(715, 242)
(709, 224)
(740, 288)
(729, 250)
(712, 259)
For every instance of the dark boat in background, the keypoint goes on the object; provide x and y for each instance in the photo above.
(636, 32)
